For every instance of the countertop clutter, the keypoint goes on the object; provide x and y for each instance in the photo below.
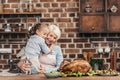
(42, 77)
(6, 75)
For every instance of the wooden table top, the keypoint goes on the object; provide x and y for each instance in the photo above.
(42, 77)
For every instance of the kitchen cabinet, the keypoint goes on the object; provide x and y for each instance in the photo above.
(99, 16)
(113, 18)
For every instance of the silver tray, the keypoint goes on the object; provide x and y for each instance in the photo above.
(107, 74)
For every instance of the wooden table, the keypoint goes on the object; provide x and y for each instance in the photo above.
(42, 77)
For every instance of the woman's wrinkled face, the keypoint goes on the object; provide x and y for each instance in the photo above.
(51, 38)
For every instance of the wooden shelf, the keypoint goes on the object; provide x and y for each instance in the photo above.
(22, 32)
(23, 13)
(13, 41)
(102, 13)
(99, 18)
(116, 14)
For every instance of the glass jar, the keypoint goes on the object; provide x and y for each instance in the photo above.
(7, 28)
(30, 6)
(88, 8)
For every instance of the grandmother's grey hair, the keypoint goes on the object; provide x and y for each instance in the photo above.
(55, 29)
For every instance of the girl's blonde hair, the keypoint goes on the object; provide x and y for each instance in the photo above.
(55, 29)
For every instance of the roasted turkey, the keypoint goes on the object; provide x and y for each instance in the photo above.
(75, 66)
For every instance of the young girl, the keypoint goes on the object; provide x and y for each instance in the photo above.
(36, 45)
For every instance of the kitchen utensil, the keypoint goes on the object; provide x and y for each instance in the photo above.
(89, 56)
(85, 55)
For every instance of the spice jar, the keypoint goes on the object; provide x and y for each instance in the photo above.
(19, 27)
(30, 6)
(21, 7)
(10, 62)
(88, 8)
(7, 28)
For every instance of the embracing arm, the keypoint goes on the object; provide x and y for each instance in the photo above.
(35, 45)
(59, 59)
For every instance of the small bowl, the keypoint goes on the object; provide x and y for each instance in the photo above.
(52, 75)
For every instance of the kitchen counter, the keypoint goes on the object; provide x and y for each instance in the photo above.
(42, 77)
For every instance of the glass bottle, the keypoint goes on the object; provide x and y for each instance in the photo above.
(19, 27)
(88, 8)
(96, 66)
(21, 6)
(7, 28)
(30, 6)
(10, 62)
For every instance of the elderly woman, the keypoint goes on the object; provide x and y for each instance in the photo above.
(48, 62)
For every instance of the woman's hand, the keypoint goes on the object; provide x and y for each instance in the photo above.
(23, 66)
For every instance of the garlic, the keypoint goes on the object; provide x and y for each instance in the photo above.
(100, 50)
(107, 49)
